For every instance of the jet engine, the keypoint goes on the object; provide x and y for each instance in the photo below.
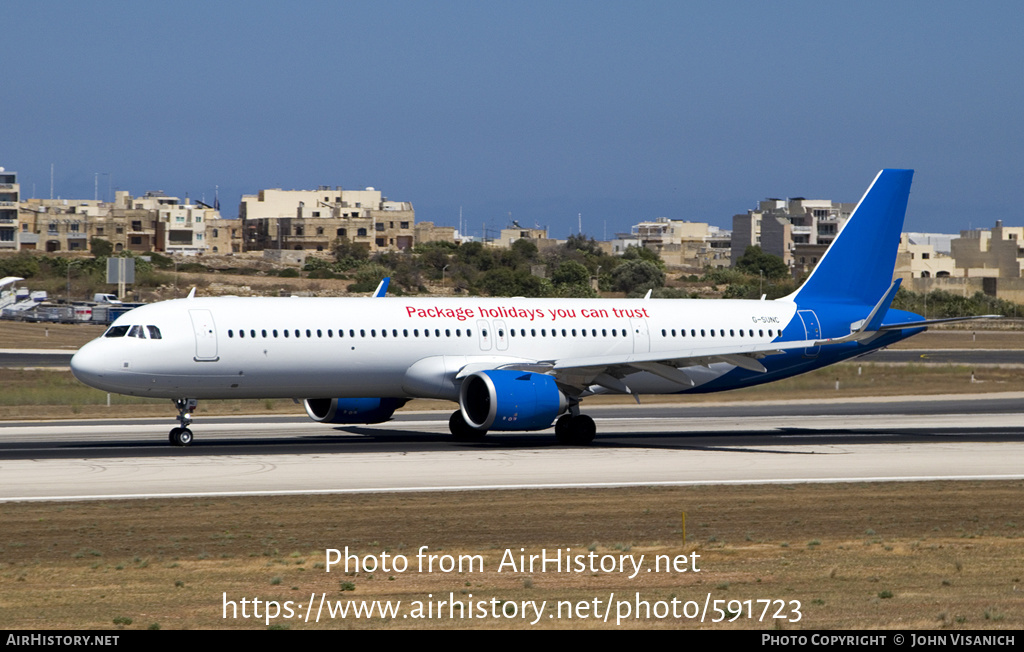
(501, 399)
(352, 410)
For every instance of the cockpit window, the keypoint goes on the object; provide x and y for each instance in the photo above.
(154, 333)
(137, 331)
(116, 331)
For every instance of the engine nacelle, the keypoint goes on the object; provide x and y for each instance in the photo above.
(501, 399)
(352, 410)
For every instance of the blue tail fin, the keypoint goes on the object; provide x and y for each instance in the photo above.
(858, 265)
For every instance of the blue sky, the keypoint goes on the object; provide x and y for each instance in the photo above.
(617, 111)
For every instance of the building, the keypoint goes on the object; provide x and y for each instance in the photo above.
(153, 222)
(314, 219)
(679, 242)
(797, 230)
(917, 258)
(995, 252)
(516, 232)
(10, 193)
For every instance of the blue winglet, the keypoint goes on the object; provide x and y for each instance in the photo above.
(878, 314)
(382, 289)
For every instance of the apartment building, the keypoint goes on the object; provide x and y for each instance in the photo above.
(314, 219)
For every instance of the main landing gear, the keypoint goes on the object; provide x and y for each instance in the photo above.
(182, 436)
(570, 429)
(461, 430)
(575, 429)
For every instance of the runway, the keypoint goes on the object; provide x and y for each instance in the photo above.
(824, 441)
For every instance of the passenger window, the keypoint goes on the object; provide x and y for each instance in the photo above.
(116, 331)
(231, 333)
(319, 333)
(264, 333)
(275, 332)
(241, 334)
(252, 332)
(447, 333)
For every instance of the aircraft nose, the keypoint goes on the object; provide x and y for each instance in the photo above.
(87, 365)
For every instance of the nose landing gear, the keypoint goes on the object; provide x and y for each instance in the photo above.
(182, 436)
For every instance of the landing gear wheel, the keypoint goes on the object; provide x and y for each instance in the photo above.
(575, 430)
(180, 436)
(461, 430)
(563, 428)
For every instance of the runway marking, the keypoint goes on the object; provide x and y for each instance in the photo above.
(510, 487)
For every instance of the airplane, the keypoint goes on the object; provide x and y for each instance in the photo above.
(511, 364)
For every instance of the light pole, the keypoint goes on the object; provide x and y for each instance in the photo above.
(68, 288)
(443, 270)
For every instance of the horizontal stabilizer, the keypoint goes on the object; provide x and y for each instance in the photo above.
(929, 322)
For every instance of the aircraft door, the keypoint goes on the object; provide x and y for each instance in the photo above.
(484, 327)
(812, 330)
(206, 335)
(500, 335)
(641, 338)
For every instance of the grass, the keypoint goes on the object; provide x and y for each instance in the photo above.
(943, 557)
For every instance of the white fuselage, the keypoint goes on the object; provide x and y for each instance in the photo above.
(232, 347)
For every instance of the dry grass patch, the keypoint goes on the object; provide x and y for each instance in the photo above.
(899, 555)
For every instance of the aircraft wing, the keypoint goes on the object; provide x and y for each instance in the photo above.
(608, 370)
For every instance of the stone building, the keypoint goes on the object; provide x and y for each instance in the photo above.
(314, 219)
(797, 230)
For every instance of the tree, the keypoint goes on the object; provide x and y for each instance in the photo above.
(100, 247)
(754, 260)
(633, 252)
(569, 272)
(348, 253)
(636, 275)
